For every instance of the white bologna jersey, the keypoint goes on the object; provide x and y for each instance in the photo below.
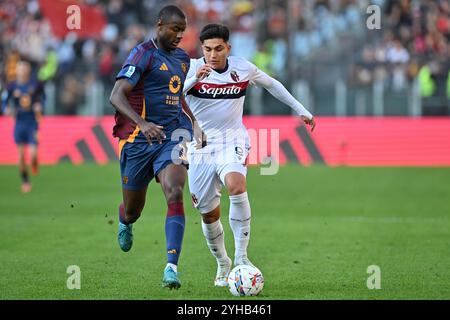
(217, 101)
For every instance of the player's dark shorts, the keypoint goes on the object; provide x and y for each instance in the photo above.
(140, 162)
(24, 134)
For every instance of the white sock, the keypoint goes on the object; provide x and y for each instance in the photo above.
(214, 236)
(173, 266)
(240, 222)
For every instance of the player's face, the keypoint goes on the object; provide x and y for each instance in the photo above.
(23, 70)
(170, 33)
(216, 52)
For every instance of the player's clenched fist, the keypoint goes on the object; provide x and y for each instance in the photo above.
(309, 122)
(203, 72)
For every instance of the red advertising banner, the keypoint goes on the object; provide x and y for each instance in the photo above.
(73, 16)
(353, 141)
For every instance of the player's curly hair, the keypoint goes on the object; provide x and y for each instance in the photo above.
(213, 30)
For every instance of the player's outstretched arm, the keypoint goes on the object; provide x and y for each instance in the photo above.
(122, 88)
(277, 90)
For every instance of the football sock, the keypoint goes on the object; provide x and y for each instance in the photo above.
(122, 214)
(34, 165)
(173, 266)
(24, 176)
(215, 239)
(240, 222)
(174, 231)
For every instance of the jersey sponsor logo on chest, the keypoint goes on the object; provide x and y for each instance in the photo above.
(220, 91)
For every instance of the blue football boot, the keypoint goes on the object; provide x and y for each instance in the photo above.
(125, 236)
(170, 279)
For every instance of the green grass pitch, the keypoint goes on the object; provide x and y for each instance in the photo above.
(315, 231)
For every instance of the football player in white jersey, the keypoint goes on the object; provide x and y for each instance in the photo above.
(215, 90)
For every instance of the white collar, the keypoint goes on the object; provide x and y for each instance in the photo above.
(154, 44)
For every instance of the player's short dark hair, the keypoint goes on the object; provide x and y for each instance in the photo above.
(25, 60)
(213, 31)
(168, 12)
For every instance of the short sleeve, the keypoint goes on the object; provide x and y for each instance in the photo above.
(192, 69)
(184, 59)
(135, 65)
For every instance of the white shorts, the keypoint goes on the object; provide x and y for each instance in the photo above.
(207, 170)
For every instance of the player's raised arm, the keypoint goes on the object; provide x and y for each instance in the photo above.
(194, 76)
(277, 90)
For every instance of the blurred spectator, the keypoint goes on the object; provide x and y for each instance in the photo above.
(12, 59)
(49, 67)
(415, 44)
(415, 34)
(263, 58)
(71, 95)
(106, 63)
(396, 53)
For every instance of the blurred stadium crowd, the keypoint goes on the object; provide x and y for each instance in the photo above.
(413, 42)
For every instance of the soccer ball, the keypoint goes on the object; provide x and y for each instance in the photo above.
(245, 280)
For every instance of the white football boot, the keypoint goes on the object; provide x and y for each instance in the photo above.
(223, 269)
